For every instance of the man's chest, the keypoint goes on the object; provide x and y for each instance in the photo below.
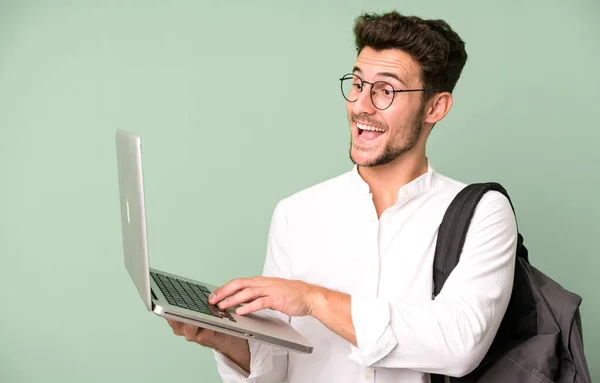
(391, 257)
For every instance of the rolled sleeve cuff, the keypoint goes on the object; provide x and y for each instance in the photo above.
(374, 335)
(261, 363)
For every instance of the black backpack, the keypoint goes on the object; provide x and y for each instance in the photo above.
(540, 338)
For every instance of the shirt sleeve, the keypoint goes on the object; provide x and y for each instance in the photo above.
(451, 334)
(267, 364)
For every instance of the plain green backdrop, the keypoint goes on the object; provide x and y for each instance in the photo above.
(238, 105)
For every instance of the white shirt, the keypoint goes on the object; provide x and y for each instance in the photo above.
(329, 235)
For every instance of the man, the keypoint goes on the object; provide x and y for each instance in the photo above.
(349, 261)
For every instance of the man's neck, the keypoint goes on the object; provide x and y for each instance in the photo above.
(386, 180)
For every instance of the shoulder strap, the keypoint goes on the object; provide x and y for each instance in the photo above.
(454, 227)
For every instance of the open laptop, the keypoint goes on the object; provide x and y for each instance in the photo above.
(173, 296)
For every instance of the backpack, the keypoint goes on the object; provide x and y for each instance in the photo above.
(540, 338)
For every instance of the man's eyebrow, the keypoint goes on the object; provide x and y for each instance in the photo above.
(384, 74)
(392, 75)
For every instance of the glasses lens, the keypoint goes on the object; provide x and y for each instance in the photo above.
(382, 95)
(351, 87)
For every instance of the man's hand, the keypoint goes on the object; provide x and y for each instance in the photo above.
(203, 337)
(232, 347)
(294, 298)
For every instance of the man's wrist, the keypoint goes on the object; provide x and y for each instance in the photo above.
(318, 302)
(333, 309)
(236, 349)
(225, 343)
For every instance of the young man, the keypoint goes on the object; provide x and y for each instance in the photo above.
(349, 261)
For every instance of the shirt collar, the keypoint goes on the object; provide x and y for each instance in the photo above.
(419, 185)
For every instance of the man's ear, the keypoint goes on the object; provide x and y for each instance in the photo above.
(437, 107)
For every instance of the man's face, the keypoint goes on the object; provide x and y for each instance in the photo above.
(380, 136)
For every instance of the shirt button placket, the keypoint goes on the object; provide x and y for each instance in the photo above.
(373, 268)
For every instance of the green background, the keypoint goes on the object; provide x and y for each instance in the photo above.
(238, 106)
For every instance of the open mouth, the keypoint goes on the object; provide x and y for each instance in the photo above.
(369, 132)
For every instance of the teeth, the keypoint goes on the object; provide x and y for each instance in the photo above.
(369, 127)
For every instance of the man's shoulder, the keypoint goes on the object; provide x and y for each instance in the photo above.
(447, 185)
(493, 201)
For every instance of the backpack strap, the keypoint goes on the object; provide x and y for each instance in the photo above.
(454, 227)
(452, 234)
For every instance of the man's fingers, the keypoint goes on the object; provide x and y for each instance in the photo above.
(206, 337)
(176, 326)
(182, 329)
(229, 289)
(256, 305)
(190, 331)
(243, 296)
(202, 336)
(235, 286)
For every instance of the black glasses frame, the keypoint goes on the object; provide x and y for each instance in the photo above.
(363, 82)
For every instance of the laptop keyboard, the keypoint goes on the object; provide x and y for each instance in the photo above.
(188, 295)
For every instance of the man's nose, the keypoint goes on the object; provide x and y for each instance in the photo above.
(363, 104)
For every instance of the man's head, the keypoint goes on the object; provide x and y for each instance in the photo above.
(425, 57)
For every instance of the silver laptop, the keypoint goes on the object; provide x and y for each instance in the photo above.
(173, 296)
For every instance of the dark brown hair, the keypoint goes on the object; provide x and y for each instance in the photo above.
(432, 43)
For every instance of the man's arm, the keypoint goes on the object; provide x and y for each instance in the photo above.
(250, 361)
(238, 351)
(449, 335)
(458, 327)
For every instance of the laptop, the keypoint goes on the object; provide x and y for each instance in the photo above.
(174, 296)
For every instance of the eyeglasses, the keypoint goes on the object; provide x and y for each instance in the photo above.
(382, 93)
